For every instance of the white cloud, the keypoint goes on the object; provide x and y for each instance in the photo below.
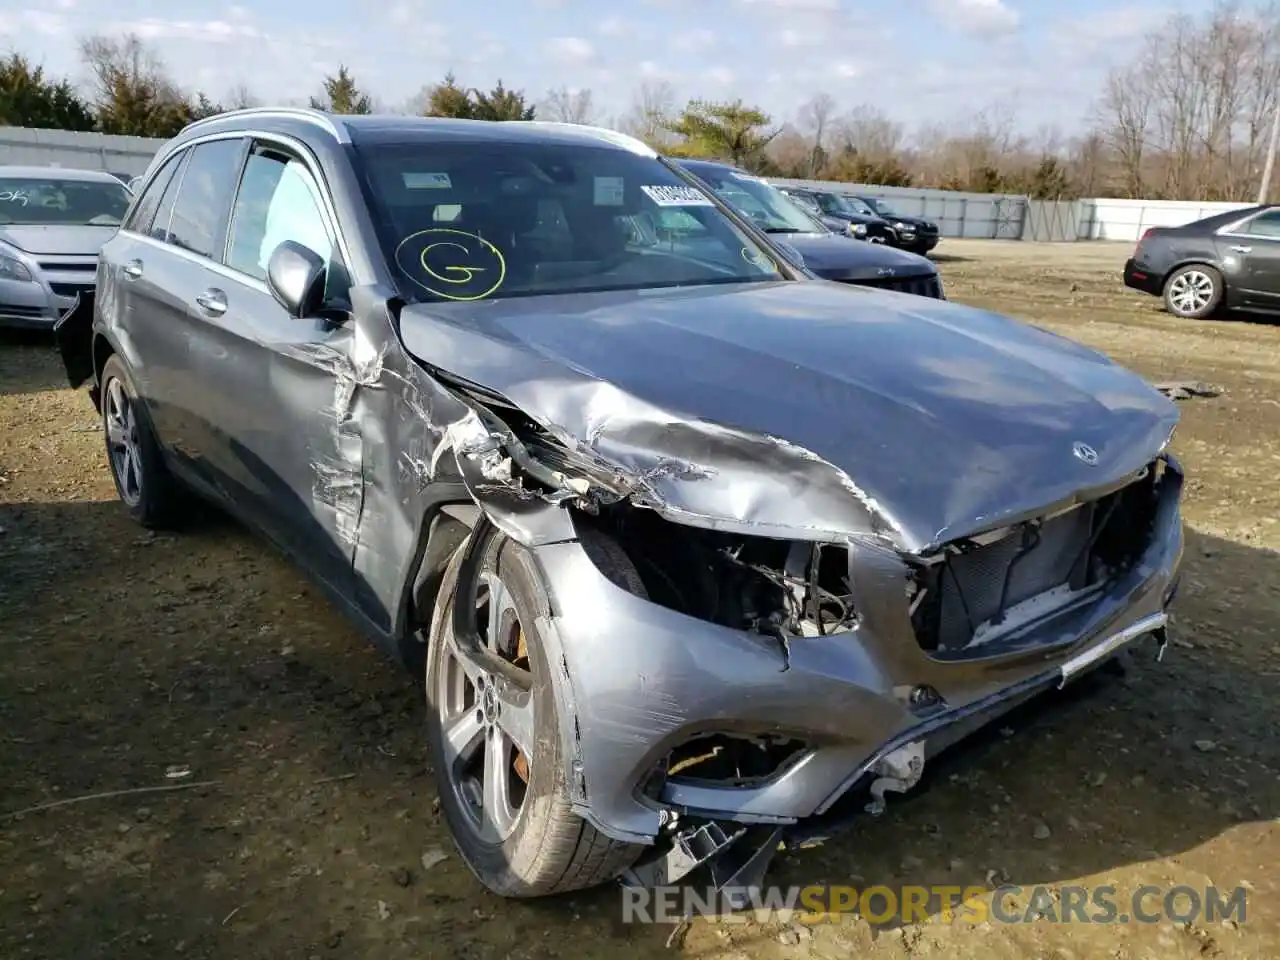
(1092, 37)
(694, 41)
(799, 38)
(571, 49)
(35, 21)
(720, 75)
(980, 17)
(831, 5)
(847, 70)
(612, 27)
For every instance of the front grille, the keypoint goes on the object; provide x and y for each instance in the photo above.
(968, 596)
(919, 286)
(71, 289)
(86, 266)
(25, 312)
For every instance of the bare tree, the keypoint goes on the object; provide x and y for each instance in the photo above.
(870, 131)
(130, 90)
(653, 110)
(1188, 117)
(816, 116)
(567, 105)
(240, 97)
(1126, 109)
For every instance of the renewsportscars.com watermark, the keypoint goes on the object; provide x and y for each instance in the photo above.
(881, 904)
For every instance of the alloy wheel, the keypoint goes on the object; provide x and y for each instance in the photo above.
(1191, 291)
(487, 716)
(122, 442)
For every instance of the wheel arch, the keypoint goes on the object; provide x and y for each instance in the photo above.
(1195, 261)
(445, 526)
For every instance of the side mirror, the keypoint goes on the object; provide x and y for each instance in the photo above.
(295, 277)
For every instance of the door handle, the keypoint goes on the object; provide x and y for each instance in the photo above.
(1242, 249)
(213, 302)
(132, 269)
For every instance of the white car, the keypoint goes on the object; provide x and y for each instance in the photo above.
(53, 221)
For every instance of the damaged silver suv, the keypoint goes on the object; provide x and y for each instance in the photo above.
(692, 549)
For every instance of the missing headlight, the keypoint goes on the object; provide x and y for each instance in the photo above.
(778, 588)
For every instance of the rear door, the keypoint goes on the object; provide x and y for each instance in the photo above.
(161, 275)
(1256, 244)
(274, 389)
(121, 280)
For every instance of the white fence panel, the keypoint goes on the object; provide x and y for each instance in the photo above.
(1128, 219)
(85, 151)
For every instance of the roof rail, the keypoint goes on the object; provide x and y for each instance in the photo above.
(600, 133)
(317, 117)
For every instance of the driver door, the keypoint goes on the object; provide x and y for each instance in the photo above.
(281, 438)
(1257, 245)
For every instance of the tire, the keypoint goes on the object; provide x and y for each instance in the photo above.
(1194, 291)
(143, 482)
(545, 848)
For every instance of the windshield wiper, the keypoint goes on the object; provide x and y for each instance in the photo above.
(783, 230)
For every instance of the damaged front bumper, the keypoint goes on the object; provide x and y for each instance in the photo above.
(638, 682)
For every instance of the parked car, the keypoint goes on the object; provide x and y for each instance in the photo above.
(914, 233)
(690, 548)
(832, 224)
(830, 256)
(1229, 260)
(836, 207)
(52, 222)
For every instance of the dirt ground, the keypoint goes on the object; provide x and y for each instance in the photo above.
(127, 657)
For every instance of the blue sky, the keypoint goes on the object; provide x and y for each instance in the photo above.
(923, 61)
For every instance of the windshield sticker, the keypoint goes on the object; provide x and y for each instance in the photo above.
(426, 181)
(452, 264)
(756, 258)
(14, 196)
(609, 191)
(677, 196)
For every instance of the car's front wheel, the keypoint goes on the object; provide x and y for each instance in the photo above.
(1194, 291)
(495, 730)
(142, 480)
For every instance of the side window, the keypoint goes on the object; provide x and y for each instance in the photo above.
(159, 228)
(204, 197)
(1264, 225)
(144, 210)
(278, 200)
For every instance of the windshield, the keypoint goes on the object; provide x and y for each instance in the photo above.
(480, 221)
(806, 202)
(858, 205)
(771, 209)
(879, 207)
(48, 201)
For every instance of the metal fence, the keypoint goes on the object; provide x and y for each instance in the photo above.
(86, 151)
(1057, 221)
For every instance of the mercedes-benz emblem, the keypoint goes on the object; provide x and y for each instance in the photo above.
(1085, 453)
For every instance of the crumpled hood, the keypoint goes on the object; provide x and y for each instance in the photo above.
(836, 257)
(806, 405)
(56, 240)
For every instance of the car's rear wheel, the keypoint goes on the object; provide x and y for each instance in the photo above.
(495, 730)
(143, 482)
(1194, 291)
